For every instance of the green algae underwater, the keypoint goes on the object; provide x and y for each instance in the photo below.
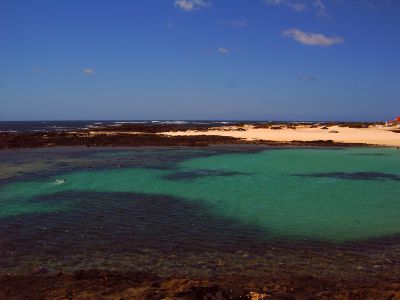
(341, 195)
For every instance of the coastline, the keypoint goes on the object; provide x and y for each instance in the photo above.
(289, 133)
(361, 274)
(374, 281)
(269, 134)
(101, 284)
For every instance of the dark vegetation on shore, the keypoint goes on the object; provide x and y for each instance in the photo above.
(145, 135)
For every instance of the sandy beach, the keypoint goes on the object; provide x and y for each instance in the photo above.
(273, 134)
(373, 135)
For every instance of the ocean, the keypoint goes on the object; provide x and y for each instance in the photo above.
(49, 126)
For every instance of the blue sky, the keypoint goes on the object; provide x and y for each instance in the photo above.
(200, 59)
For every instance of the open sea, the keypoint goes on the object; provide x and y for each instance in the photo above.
(201, 212)
(48, 126)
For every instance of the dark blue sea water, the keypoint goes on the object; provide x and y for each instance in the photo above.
(47, 126)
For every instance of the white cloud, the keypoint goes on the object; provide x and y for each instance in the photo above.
(223, 50)
(189, 5)
(301, 5)
(312, 39)
(88, 71)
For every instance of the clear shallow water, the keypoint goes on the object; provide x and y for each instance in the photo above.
(157, 208)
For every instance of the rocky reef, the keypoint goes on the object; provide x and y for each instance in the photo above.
(99, 284)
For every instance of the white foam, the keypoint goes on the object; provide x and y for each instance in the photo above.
(130, 122)
(58, 182)
(170, 122)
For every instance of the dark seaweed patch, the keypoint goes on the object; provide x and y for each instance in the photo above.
(170, 236)
(189, 175)
(354, 176)
(369, 154)
(63, 160)
(122, 223)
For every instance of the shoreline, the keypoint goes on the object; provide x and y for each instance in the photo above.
(192, 135)
(103, 284)
(288, 133)
(375, 280)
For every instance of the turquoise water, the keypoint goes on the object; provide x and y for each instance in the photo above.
(275, 190)
(201, 212)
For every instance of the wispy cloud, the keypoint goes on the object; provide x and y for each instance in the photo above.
(301, 5)
(307, 77)
(223, 50)
(321, 8)
(189, 5)
(88, 71)
(298, 6)
(311, 39)
(242, 22)
(294, 5)
(370, 5)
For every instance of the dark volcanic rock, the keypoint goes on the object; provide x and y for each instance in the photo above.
(34, 140)
(99, 284)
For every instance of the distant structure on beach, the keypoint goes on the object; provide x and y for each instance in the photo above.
(393, 122)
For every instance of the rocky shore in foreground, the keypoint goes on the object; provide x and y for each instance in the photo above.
(147, 135)
(100, 284)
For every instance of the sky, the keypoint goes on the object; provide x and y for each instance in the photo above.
(199, 59)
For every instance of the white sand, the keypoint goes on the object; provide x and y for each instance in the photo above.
(378, 135)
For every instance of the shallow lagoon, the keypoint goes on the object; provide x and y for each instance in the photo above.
(199, 211)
